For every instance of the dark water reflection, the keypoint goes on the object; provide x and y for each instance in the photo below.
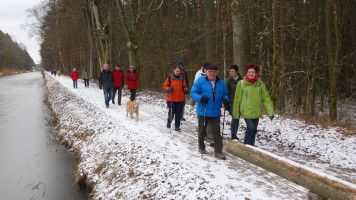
(33, 165)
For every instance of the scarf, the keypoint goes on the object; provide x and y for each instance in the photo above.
(253, 81)
(133, 75)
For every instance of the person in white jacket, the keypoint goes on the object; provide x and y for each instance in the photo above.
(200, 72)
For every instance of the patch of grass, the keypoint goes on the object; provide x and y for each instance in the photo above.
(10, 71)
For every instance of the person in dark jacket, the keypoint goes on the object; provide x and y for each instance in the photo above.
(231, 82)
(132, 82)
(118, 85)
(209, 91)
(106, 82)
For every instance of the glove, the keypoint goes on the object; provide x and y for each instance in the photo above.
(226, 104)
(271, 117)
(205, 100)
(171, 89)
(186, 91)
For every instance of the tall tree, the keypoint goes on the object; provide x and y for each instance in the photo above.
(134, 18)
(240, 39)
(209, 30)
(333, 42)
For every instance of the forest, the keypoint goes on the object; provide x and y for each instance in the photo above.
(13, 56)
(305, 49)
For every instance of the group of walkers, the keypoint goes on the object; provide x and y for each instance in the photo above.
(241, 97)
(54, 72)
(111, 82)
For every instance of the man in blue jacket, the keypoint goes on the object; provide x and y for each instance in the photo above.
(209, 91)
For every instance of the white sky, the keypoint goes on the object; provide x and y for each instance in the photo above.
(12, 15)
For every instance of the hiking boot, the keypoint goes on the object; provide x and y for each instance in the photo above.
(220, 156)
(177, 129)
(168, 125)
(234, 137)
(183, 119)
(107, 105)
(113, 102)
(203, 151)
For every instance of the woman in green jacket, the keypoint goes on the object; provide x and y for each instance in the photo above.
(250, 94)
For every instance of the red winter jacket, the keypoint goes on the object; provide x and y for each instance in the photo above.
(132, 83)
(119, 78)
(74, 75)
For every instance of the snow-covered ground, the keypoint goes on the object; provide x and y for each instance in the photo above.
(126, 159)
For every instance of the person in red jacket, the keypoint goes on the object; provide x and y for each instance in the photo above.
(75, 76)
(176, 88)
(132, 82)
(118, 84)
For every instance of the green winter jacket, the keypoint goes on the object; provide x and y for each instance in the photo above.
(248, 102)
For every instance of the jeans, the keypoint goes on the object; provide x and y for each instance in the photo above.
(215, 126)
(75, 84)
(133, 93)
(86, 82)
(251, 131)
(176, 110)
(234, 126)
(119, 94)
(107, 95)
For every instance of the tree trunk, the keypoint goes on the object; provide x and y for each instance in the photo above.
(333, 42)
(241, 55)
(187, 26)
(282, 40)
(275, 51)
(331, 188)
(209, 30)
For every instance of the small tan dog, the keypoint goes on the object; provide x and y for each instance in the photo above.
(132, 107)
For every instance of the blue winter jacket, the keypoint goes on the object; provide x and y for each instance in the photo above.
(203, 88)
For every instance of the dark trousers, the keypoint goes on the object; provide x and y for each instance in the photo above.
(175, 110)
(119, 94)
(234, 126)
(86, 82)
(107, 95)
(215, 126)
(133, 93)
(251, 131)
(75, 84)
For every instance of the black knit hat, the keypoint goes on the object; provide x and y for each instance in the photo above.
(211, 67)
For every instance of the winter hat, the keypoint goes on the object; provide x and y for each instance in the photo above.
(211, 67)
(252, 66)
(180, 63)
(132, 66)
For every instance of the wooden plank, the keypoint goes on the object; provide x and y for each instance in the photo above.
(317, 182)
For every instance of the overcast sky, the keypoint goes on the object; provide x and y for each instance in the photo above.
(12, 15)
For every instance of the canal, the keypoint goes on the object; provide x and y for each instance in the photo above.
(33, 165)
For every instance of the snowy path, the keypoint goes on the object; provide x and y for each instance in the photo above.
(134, 160)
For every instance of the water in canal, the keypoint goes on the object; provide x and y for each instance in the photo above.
(33, 165)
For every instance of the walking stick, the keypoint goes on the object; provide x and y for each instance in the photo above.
(222, 132)
(170, 119)
(204, 113)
